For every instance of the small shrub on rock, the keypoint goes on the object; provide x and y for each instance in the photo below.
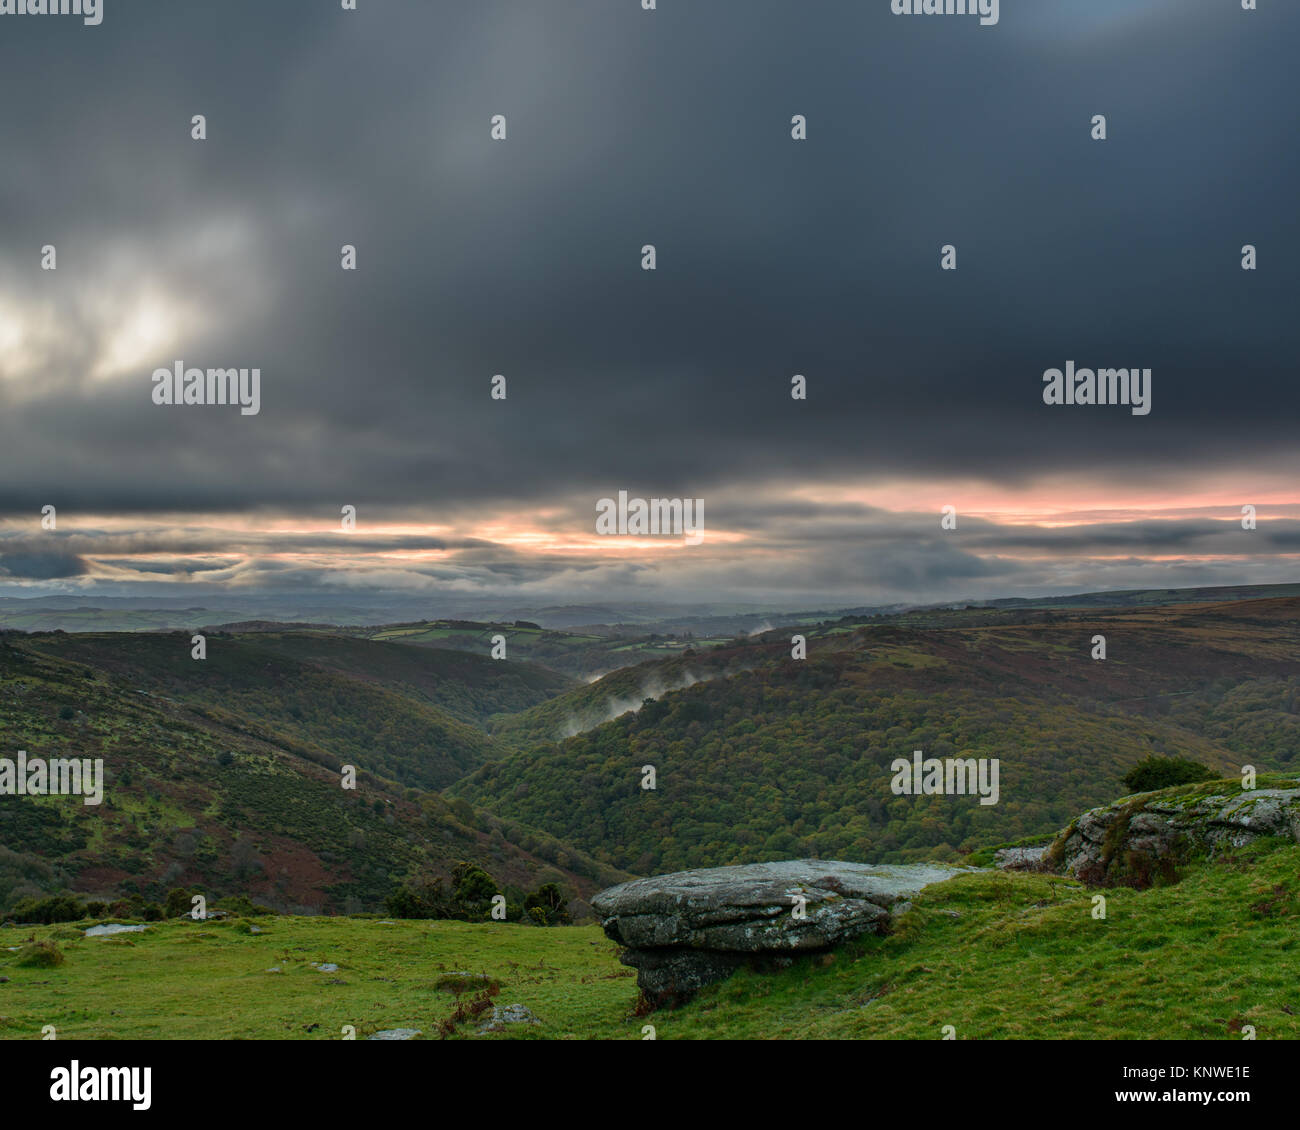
(1162, 772)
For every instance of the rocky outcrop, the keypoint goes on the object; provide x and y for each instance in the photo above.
(1136, 841)
(1019, 858)
(691, 928)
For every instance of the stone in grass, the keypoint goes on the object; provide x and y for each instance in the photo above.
(324, 967)
(688, 929)
(396, 1034)
(110, 928)
(510, 1014)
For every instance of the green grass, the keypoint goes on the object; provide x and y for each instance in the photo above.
(996, 955)
(1191, 961)
(208, 980)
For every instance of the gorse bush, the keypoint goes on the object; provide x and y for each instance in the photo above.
(1162, 772)
(241, 904)
(547, 906)
(55, 908)
(59, 908)
(418, 900)
(472, 890)
(40, 955)
(470, 899)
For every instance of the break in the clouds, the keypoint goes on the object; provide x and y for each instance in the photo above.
(522, 257)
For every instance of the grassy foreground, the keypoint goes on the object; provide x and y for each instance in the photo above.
(995, 955)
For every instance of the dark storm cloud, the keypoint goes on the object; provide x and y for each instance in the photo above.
(629, 127)
(522, 258)
(40, 566)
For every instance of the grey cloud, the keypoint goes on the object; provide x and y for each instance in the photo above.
(521, 258)
(41, 566)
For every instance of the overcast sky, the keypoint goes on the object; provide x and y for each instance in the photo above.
(775, 257)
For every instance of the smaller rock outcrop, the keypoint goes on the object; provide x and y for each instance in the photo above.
(510, 1014)
(1019, 858)
(1135, 841)
(688, 929)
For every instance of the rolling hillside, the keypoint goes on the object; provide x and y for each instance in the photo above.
(211, 781)
(411, 715)
(793, 758)
(580, 654)
(589, 705)
(224, 771)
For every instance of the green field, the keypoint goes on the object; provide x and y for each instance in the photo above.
(995, 955)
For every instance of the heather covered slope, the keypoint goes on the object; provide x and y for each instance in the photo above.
(202, 795)
(792, 758)
(470, 686)
(407, 714)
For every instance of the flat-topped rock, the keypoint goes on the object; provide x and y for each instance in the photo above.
(689, 928)
(803, 904)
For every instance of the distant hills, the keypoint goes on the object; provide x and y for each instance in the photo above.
(225, 772)
(370, 613)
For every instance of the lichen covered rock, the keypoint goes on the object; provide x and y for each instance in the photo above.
(688, 929)
(1141, 840)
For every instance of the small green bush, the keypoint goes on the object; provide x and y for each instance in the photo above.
(1162, 772)
(547, 906)
(470, 898)
(40, 955)
(242, 904)
(47, 911)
